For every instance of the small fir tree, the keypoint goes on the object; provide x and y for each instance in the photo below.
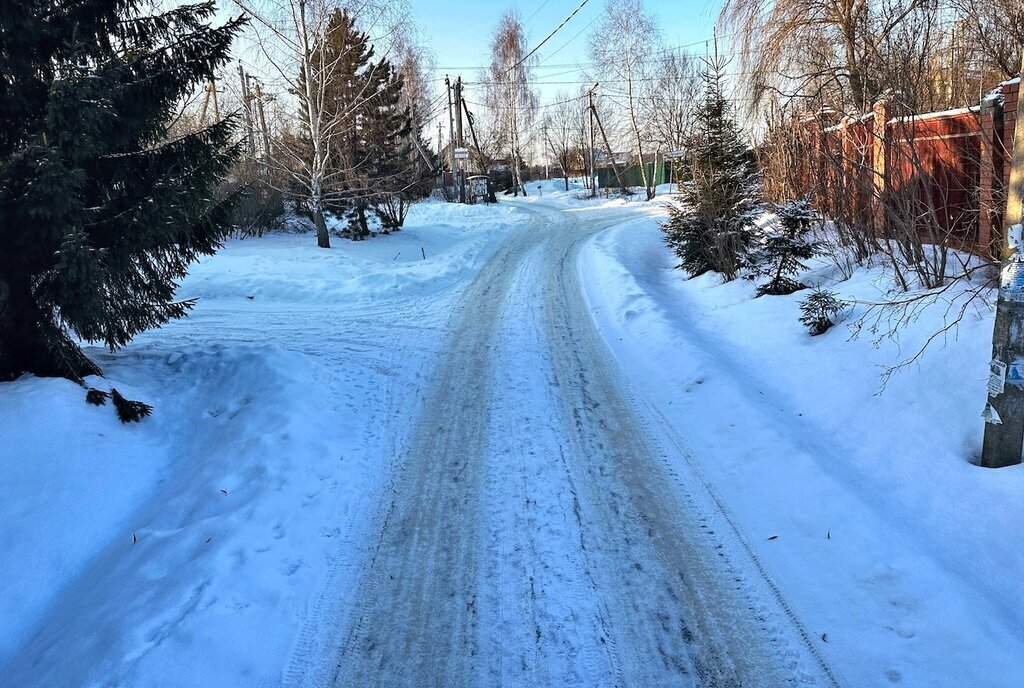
(712, 226)
(820, 310)
(101, 209)
(784, 250)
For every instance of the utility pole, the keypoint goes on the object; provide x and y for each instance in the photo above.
(263, 123)
(440, 160)
(590, 119)
(210, 93)
(250, 140)
(213, 94)
(484, 165)
(206, 101)
(547, 142)
(451, 127)
(1004, 412)
(458, 137)
(611, 154)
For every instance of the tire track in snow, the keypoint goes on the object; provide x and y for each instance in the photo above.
(542, 624)
(416, 616)
(559, 478)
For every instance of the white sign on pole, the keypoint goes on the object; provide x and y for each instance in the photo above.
(461, 153)
(996, 378)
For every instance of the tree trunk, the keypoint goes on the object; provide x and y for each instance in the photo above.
(323, 238)
(30, 344)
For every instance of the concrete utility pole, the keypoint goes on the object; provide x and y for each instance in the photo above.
(263, 122)
(458, 138)
(590, 120)
(206, 101)
(249, 139)
(213, 94)
(451, 126)
(1004, 412)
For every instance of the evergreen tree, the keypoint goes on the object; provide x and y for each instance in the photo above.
(411, 180)
(101, 211)
(382, 145)
(711, 228)
(783, 251)
(369, 127)
(819, 310)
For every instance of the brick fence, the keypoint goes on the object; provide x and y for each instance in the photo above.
(945, 172)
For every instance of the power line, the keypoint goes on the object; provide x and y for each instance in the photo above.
(578, 34)
(542, 6)
(549, 36)
(579, 67)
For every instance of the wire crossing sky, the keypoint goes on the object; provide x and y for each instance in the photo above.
(460, 34)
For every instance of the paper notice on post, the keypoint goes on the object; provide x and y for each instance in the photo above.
(996, 378)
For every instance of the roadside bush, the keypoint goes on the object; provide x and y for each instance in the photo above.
(820, 310)
(783, 250)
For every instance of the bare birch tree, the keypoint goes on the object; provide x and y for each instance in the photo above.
(560, 124)
(623, 47)
(830, 50)
(508, 92)
(287, 35)
(671, 102)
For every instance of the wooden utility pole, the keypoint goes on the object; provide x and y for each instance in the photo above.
(611, 154)
(485, 167)
(590, 121)
(1004, 412)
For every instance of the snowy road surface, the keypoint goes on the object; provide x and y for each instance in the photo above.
(536, 532)
(506, 446)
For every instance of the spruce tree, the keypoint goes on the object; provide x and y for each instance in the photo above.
(369, 128)
(783, 251)
(411, 179)
(711, 227)
(101, 211)
(382, 147)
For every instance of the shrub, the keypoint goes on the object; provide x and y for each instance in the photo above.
(820, 310)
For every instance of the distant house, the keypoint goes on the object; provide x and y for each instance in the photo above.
(602, 159)
(475, 163)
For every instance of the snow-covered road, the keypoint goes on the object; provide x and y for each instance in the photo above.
(506, 446)
(537, 531)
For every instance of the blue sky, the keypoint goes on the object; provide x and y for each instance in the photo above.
(459, 31)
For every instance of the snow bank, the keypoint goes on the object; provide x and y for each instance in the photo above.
(903, 555)
(188, 549)
(440, 245)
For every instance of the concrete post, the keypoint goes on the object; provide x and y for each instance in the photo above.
(1004, 412)
(990, 182)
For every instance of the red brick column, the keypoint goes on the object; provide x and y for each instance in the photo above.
(879, 164)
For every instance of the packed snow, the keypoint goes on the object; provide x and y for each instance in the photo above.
(231, 538)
